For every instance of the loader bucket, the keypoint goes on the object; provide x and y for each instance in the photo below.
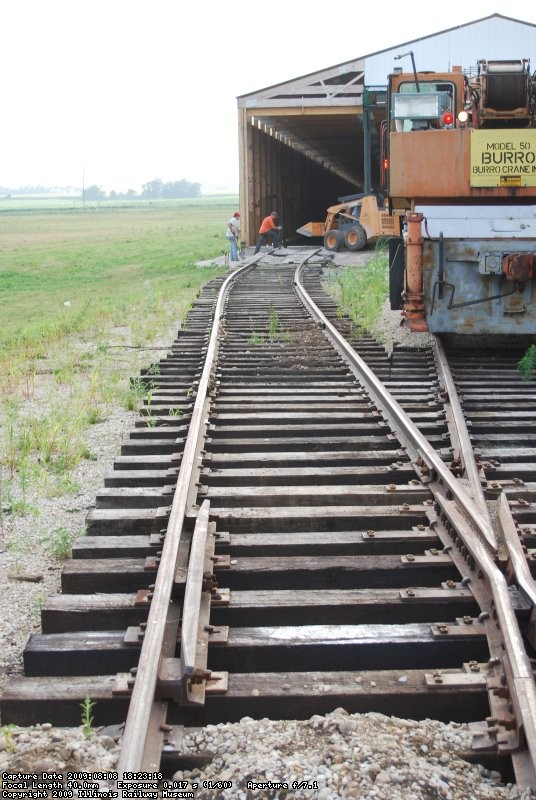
(312, 229)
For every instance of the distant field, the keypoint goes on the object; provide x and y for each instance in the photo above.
(67, 271)
(31, 203)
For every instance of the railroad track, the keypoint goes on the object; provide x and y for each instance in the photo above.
(279, 538)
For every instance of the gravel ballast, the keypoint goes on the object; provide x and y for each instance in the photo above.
(333, 757)
(338, 756)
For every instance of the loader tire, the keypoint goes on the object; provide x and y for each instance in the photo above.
(333, 241)
(355, 238)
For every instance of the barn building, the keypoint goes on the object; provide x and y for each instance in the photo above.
(302, 142)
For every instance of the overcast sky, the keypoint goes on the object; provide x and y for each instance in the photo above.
(125, 91)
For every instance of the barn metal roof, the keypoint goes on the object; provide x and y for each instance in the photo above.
(330, 75)
(319, 114)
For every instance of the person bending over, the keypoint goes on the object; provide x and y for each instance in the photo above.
(268, 232)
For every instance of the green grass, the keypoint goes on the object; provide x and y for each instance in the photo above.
(58, 543)
(76, 289)
(527, 364)
(6, 731)
(273, 323)
(361, 291)
(67, 273)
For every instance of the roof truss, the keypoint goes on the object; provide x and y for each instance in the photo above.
(339, 85)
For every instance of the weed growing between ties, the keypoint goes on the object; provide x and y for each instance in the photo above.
(273, 323)
(87, 717)
(150, 418)
(362, 291)
(527, 364)
(134, 394)
(39, 602)
(58, 543)
(6, 731)
(89, 296)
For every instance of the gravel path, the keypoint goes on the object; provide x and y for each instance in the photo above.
(25, 541)
(339, 755)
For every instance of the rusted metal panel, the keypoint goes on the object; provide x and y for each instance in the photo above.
(429, 164)
(437, 163)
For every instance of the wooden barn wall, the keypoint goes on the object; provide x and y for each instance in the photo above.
(280, 178)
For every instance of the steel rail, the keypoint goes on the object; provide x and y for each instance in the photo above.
(510, 650)
(399, 419)
(141, 708)
(513, 560)
(191, 610)
(465, 449)
(518, 667)
(518, 562)
(144, 709)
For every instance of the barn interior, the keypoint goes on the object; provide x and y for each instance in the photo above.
(305, 144)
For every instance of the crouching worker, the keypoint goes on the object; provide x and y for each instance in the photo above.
(268, 232)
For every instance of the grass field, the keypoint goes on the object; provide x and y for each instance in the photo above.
(82, 298)
(104, 264)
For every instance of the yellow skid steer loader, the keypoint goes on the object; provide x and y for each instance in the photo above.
(353, 224)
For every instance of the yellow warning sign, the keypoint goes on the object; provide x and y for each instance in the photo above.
(511, 180)
(503, 157)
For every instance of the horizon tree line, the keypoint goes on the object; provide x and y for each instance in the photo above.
(152, 190)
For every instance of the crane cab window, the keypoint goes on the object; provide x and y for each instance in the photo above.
(422, 107)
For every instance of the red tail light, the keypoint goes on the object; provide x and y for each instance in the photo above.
(448, 118)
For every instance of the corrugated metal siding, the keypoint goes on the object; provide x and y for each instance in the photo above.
(495, 38)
